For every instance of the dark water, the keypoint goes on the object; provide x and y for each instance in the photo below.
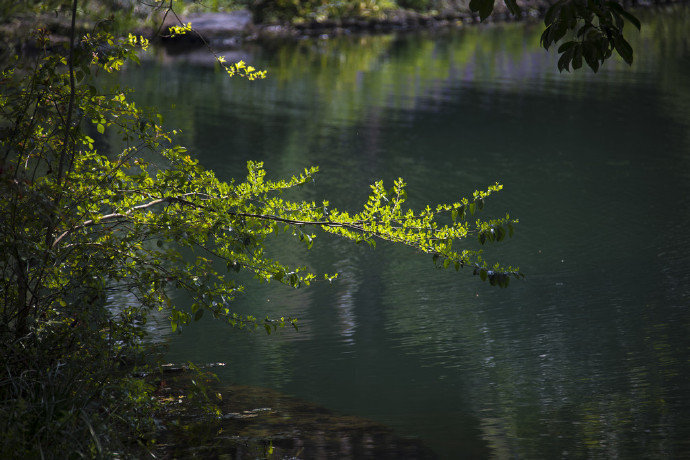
(588, 356)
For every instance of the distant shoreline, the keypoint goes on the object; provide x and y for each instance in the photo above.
(235, 28)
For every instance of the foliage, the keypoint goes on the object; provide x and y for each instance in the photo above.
(85, 224)
(67, 359)
(102, 216)
(79, 221)
(68, 391)
(593, 28)
(295, 10)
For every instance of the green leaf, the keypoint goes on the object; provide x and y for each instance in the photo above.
(545, 40)
(566, 46)
(577, 63)
(569, 15)
(560, 28)
(199, 313)
(624, 49)
(500, 233)
(590, 54)
(632, 19)
(552, 13)
(620, 10)
(483, 7)
(564, 62)
(100, 128)
(513, 7)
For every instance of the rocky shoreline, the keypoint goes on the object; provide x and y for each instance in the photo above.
(232, 29)
(236, 27)
(229, 29)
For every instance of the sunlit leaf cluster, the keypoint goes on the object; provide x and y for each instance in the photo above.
(81, 221)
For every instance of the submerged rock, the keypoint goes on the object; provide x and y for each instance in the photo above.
(258, 422)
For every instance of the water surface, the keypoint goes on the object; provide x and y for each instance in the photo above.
(588, 356)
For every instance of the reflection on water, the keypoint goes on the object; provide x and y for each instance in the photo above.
(588, 357)
(119, 302)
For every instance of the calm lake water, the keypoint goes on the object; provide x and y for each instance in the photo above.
(589, 355)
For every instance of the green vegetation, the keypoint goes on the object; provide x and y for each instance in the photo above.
(94, 237)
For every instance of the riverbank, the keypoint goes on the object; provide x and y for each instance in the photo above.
(234, 28)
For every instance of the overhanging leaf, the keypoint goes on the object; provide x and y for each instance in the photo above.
(513, 7)
(483, 7)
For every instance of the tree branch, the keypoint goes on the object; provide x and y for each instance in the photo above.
(70, 106)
